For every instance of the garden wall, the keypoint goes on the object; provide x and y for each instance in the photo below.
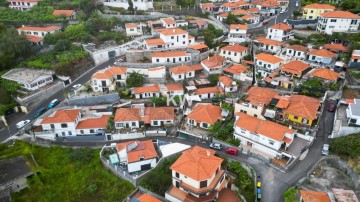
(95, 100)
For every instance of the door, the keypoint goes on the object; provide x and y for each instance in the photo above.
(249, 144)
(111, 54)
(177, 184)
(146, 167)
(103, 83)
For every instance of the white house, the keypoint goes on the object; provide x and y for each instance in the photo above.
(137, 155)
(29, 79)
(353, 112)
(213, 65)
(234, 52)
(202, 185)
(355, 59)
(322, 56)
(170, 57)
(296, 51)
(146, 91)
(237, 33)
(176, 38)
(204, 115)
(181, 23)
(128, 118)
(133, 29)
(68, 14)
(251, 19)
(209, 92)
(227, 84)
(22, 5)
(279, 32)
(159, 116)
(107, 79)
(139, 5)
(175, 89)
(182, 72)
(154, 44)
(157, 72)
(222, 17)
(269, 45)
(262, 135)
(268, 7)
(168, 22)
(36, 34)
(94, 125)
(338, 21)
(239, 72)
(62, 122)
(267, 62)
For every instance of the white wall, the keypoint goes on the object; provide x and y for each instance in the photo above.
(124, 4)
(176, 59)
(127, 136)
(275, 34)
(22, 6)
(177, 92)
(295, 54)
(161, 122)
(340, 25)
(38, 83)
(147, 95)
(180, 77)
(270, 48)
(233, 56)
(136, 166)
(270, 67)
(134, 31)
(117, 124)
(249, 109)
(323, 60)
(180, 40)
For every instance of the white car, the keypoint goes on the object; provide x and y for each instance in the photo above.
(22, 124)
(325, 150)
(216, 146)
(77, 86)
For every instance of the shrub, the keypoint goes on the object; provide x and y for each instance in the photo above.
(290, 195)
(348, 146)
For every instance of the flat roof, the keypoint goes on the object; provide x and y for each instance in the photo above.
(355, 108)
(13, 168)
(25, 75)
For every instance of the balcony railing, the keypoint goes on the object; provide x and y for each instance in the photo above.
(203, 190)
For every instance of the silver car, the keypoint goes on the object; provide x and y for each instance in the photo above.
(325, 150)
(22, 124)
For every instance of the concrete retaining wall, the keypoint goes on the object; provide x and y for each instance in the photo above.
(95, 100)
(126, 136)
(137, 56)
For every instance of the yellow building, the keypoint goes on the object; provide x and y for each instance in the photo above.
(313, 11)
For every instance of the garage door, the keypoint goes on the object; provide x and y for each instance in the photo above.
(146, 167)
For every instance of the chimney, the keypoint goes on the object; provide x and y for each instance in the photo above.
(207, 152)
(208, 58)
(173, 30)
(290, 126)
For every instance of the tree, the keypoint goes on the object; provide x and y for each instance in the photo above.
(75, 32)
(232, 19)
(214, 79)
(135, 79)
(62, 45)
(51, 39)
(290, 195)
(210, 34)
(227, 106)
(159, 101)
(131, 7)
(185, 2)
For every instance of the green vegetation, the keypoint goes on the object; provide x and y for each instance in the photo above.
(224, 132)
(227, 106)
(348, 147)
(232, 19)
(214, 79)
(36, 15)
(244, 182)
(159, 179)
(135, 79)
(356, 75)
(210, 34)
(312, 87)
(290, 195)
(159, 101)
(185, 3)
(66, 174)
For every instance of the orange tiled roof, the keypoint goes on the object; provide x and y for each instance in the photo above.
(235, 48)
(336, 47)
(155, 42)
(269, 41)
(268, 58)
(303, 106)
(67, 13)
(206, 113)
(247, 17)
(236, 69)
(127, 114)
(239, 12)
(147, 89)
(169, 20)
(33, 38)
(160, 113)
(215, 61)
(197, 163)
(109, 72)
(62, 116)
(207, 90)
(339, 14)
(147, 198)
(253, 10)
(144, 149)
(238, 26)
(227, 81)
(40, 29)
(182, 69)
(223, 14)
(314, 196)
(168, 54)
(298, 48)
(173, 31)
(325, 73)
(130, 25)
(175, 87)
(281, 26)
(198, 46)
(267, 128)
(260, 96)
(322, 53)
(295, 67)
(320, 6)
(205, 5)
(283, 102)
(97, 122)
(156, 68)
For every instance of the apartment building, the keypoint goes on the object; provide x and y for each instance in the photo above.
(234, 53)
(338, 21)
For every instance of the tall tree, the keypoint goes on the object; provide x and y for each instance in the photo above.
(131, 7)
(135, 79)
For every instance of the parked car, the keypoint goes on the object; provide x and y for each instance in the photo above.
(325, 150)
(216, 146)
(331, 107)
(22, 124)
(53, 103)
(282, 11)
(265, 22)
(258, 192)
(258, 182)
(76, 86)
(232, 151)
(285, 20)
(39, 112)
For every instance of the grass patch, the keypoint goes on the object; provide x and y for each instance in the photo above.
(290, 195)
(66, 174)
(348, 148)
(243, 181)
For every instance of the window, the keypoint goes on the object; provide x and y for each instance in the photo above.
(52, 126)
(131, 30)
(271, 142)
(141, 158)
(177, 175)
(235, 54)
(353, 120)
(92, 131)
(184, 36)
(64, 125)
(255, 115)
(168, 60)
(155, 123)
(82, 132)
(216, 172)
(95, 82)
(224, 52)
(254, 106)
(133, 123)
(271, 30)
(205, 125)
(333, 20)
(70, 133)
(157, 60)
(172, 37)
(311, 11)
(183, 42)
(179, 59)
(203, 184)
(295, 117)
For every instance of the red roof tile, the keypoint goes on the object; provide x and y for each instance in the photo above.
(173, 31)
(227, 81)
(96, 122)
(127, 114)
(325, 73)
(314, 196)
(322, 53)
(320, 6)
(175, 87)
(143, 149)
(269, 41)
(40, 29)
(67, 13)
(62, 116)
(295, 67)
(281, 26)
(268, 58)
(205, 113)
(168, 54)
(260, 96)
(235, 48)
(339, 14)
(303, 106)
(147, 89)
(215, 61)
(236, 69)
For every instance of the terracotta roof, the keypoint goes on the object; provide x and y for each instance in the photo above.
(175, 87)
(109, 72)
(344, 195)
(314, 196)
(268, 58)
(235, 48)
(203, 5)
(247, 17)
(40, 29)
(169, 20)
(223, 14)
(227, 195)
(303, 106)
(173, 31)
(62, 116)
(239, 12)
(253, 10)
(248, 62)
(325, 73)
(147, 89)
(336, 47)
(236, 69)
(227, 81)
(155, 42)
(33, 38)
(320, 6)
(127, 114)
(295, 67)
(206, 113)
(130, 25)
(168, 54)
(322, 53)
(144, 149)
(238, 26)
(215, 61)
(160, 113)
(182, 69)
(283, 102)
(266, 3)
(147, 198)
(269, 41)
(281, 26)
(267, 128)
(197, 163)
(260, 96)
(350, 101)
(339, 14)
(207, 90)
(198, 46)
(67, 13)
(191, 37)
(97, 122)
(298, 48)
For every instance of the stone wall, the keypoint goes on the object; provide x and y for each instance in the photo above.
(94, 100)
(137, 56)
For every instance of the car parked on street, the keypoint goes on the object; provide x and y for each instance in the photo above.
(331, 107)
(258, 182)
(325, 150)
(232, 151)
(77, 86)
(22, 124)
(39, 112)
(53, 103)
(216, 146)
(258, 193)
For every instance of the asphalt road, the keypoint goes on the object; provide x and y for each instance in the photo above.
(16, 117)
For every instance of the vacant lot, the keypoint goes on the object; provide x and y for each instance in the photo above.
(351, 93)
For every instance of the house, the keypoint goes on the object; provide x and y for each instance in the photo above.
(29, 79)
(145, 198)
(106, 80)
(36, 34)
(237, 33)
(222, 17)
(22, 5)
(269, 45)
(295, 68)
(138, 5)
(313, 11)
(170, 57)
(234, 52)
(338, 21)
(67, 14)
(92, 125)
(336, 48)
(62, 122)
(176, 38)
(127, 118)
(182, 72)
(355, 59)
(284, 4)
(157, 72)
(133, 29)
(239, 72)
(296, 51)
(213, 65)
(227, 84)
(251, 19)
(311, 196)
(153, 44)
(256, 101)
(268, 62)
(196, 176)
(263, 135)
(267, 7)
(146, 91)
(322, 56)
(353, 112)
(207, 7)
(204, 115)
(325, 74)
(137, 155)
(175, 89)
(279, 32)
(200, 24)
(181, 23)
(209, 92)
(168, 22)
(199, 47)
(159, 116)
